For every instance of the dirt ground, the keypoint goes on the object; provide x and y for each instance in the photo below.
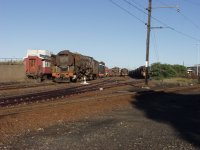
(118, 118)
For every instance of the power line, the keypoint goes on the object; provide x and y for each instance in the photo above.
(189, 20)
(128, 12)
(184, 16)
(184, 34)
(166, 26)
(140, 5)
(141, 10)
(135, 6)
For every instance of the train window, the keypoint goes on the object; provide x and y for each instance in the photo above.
(46, 63)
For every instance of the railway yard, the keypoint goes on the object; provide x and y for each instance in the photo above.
(107, 113)
(100, 75)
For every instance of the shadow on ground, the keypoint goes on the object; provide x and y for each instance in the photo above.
(182, 112)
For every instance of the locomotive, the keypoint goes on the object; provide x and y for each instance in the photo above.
(68, 66)
(63, 67)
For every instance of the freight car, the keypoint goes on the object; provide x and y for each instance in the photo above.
(124, 72)
(138, 73)
(68, 66)
(113, 72)
(37, 64)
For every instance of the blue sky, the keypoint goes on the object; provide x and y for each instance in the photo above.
(100, 29)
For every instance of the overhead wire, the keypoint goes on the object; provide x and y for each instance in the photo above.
(140, 5)
(187, 18)
(139, 9)
(165, 25)
(128, 12)
(184, 16)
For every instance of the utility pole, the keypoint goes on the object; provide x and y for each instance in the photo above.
(148, 36)
(148, 42)
(198, 51)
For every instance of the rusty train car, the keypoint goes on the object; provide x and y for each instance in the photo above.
(68, 66)
(124, 72)
(138, 73)
(62, 67)
(114, 72)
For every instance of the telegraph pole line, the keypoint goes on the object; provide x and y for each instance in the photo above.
(148, 42)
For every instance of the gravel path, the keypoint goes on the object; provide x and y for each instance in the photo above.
(122, 129)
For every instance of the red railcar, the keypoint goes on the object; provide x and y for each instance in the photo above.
(38, 64)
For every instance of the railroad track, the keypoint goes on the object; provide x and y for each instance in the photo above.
(20, 86)
(61, 93)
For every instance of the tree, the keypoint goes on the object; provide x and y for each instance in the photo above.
(181, 71)
(160, 71)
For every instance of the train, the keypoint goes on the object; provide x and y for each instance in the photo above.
(65, 66)
(124, 72)
(138, 73)
(116, 72)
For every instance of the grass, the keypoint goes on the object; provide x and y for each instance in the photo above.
(176, 82)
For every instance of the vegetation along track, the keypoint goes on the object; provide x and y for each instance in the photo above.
(61, 93)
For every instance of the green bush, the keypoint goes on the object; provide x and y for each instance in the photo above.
(161, 71)
(180, 70)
